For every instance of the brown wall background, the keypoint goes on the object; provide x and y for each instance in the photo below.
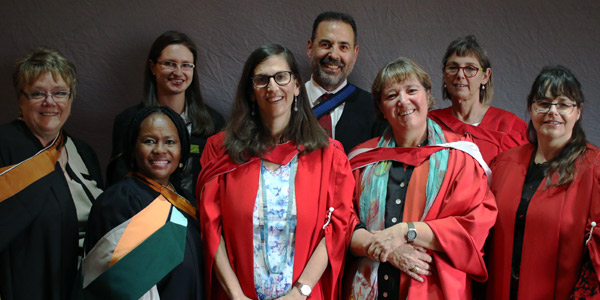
(109, 40)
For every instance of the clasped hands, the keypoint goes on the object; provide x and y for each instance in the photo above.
(389, 245)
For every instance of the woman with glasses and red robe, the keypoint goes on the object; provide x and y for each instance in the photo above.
(467, 82)
(275, 193)
(545, 242)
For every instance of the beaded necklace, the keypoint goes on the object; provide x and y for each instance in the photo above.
(290, 227)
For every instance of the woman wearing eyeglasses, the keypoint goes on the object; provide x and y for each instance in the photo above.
(275, 192)
(171, 79)
(467, 82)
(545, 244)
(48, 182)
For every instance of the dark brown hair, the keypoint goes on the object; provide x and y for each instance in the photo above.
(247, 136)
(202, 123)
(559, 81)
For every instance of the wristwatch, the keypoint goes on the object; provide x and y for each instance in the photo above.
(304, 289)
(411, 234)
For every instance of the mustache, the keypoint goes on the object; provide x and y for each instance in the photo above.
(331, 61)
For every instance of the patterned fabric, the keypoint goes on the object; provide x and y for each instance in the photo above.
(372, 201)
(587, 286)
(279, 253)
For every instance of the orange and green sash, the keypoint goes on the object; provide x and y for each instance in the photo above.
(128, 261)
(173, 197)
(17, 177)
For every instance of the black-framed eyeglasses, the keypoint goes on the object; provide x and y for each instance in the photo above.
(59, 96)
(172, 66)
(469, 71)
(563, 108)
(281, 78)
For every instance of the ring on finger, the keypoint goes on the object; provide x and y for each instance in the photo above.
(414, 269)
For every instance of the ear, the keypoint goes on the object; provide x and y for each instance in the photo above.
(355, 53)
(308, 48)
(486, 75)
(579, 111)
(297, 88)
(152, 67)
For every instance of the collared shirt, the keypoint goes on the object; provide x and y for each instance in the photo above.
(315, 91)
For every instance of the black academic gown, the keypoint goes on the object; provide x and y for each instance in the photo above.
(38, 226)
(125, 199)
(357, 123)
(117, 167)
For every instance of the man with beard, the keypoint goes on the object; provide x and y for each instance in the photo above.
(344, 110)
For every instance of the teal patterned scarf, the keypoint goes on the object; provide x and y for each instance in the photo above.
(373, 195)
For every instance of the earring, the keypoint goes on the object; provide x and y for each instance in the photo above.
(444, 85)
(295, 103)
(483, 87)
(181, 165)
(252, 108)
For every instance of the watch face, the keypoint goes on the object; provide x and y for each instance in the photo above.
(411, 235)
(305, 289)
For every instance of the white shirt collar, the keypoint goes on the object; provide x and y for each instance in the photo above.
(314, 90)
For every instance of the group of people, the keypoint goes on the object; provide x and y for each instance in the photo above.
(315, 190)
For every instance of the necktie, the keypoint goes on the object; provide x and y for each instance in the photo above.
(325, 120)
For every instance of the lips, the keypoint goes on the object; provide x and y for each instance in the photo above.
(160, 163)
(177, 81)
(406, 113)
(331, 64)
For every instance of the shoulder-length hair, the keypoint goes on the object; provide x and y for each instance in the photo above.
(247, 136)
(202, 123)
(399, 70)
(468, 46)
(38, 61)
(559, 81)
(133, 132)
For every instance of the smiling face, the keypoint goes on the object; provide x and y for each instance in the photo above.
(45, 118)
(173, 82)
(461, 87)
(404, 106)
(157, 149)
(552, 126)
(332, 53)
(275, 101)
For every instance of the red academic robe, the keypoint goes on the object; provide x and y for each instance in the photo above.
(226, 195)
(498, 131)
(461, 217)
(557, 225)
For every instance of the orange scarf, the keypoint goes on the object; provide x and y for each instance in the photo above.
(17, 177)
(175, 199)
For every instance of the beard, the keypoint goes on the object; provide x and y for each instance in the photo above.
(327, 79)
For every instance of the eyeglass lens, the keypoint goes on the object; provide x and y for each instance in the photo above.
(562, 107)
(281, 78)
(469, 71)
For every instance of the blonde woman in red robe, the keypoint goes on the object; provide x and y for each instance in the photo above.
(544, 245)
(275, 193)
(422, 197)
(467, 83)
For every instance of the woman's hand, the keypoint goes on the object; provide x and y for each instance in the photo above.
(412, 260)
(386, 241)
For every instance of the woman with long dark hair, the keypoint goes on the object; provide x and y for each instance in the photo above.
(275, 192)
(544, 245)
(170, 79)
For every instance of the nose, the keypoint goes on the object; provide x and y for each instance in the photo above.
(47, 101)
(272, 84)
(553, 109)
(334, 52)
(159, 148)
